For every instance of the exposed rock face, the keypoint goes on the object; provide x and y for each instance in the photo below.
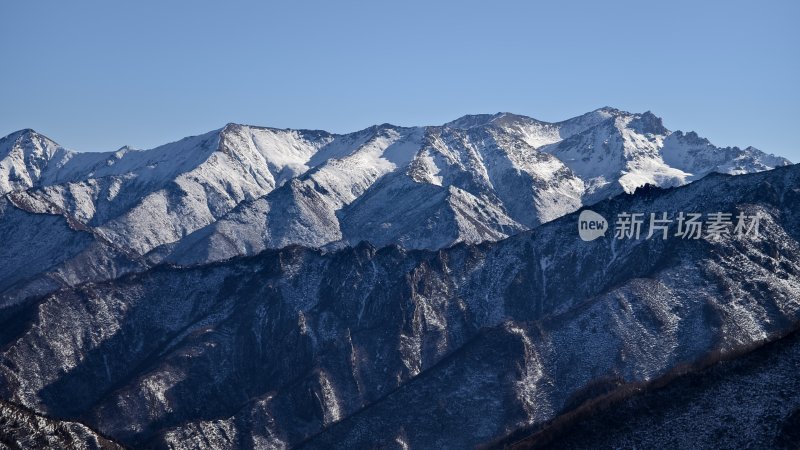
(23, 429)
(447, 348)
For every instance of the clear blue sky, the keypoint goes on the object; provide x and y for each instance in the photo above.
(95, 75)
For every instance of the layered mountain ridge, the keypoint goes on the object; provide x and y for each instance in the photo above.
(241, 189)
(398, 348)
(398, 287)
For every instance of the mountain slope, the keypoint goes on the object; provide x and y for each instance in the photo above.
(365, 346)
(491, 184)
(303, 210)
(750, 402)
(46, 249)
(21, 429)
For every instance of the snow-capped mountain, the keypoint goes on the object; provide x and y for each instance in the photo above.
(475, 179)
(690, 153)
(142, 199)
(90, 216)
(472, 345)
(27, 157)
(304, 209)
(242, 189)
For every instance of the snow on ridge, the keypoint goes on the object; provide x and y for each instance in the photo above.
(489, 174)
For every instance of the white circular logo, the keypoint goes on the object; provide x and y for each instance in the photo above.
(591, 225)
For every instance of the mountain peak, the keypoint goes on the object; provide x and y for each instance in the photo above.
(25, 133)
(472, 120)
(610, 110)
(648, 123)
(26, 156)
(29, 140)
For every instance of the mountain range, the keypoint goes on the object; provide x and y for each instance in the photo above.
(73, 217)
(421, 287)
